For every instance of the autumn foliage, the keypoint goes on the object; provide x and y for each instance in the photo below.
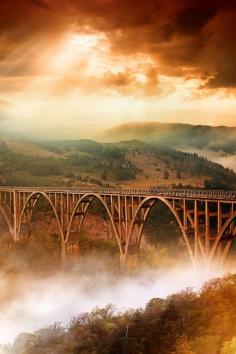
(188, 322)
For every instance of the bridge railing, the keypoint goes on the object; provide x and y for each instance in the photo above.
(164, 192)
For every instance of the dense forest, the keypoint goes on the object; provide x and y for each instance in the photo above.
(188, 322)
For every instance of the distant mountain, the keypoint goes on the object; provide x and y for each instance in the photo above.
(177, 136)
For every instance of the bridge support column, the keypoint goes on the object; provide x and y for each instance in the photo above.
(130, 260)
(15, 228)
(63, 252)
(123, 262)
(207, 229)
(70, 252)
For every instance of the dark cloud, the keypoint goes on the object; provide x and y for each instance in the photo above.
(188, 38)
(220, 51)
(41, 4)
(195, 14)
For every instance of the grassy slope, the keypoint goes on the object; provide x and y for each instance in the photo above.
(31, 149)
(130, 163)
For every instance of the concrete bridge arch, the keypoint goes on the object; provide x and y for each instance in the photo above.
(31, 202)
(203, 216)
(89, 197)
(153, 200)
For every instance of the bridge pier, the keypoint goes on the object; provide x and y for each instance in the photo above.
(206, 219)
(70, 252)
(123, 262)
(63, 253)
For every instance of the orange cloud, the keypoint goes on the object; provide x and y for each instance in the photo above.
(186, 38)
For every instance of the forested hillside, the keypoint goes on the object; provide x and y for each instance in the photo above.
(177, 135)
(86, 162)
(185, 323)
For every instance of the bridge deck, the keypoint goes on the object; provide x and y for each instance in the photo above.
(203, 194)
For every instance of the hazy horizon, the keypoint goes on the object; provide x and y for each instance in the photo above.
(77, 69)
(25, 131)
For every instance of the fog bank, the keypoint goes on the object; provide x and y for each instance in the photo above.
(27, 304)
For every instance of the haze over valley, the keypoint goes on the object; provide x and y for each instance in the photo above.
(126, 163)
(117, 177)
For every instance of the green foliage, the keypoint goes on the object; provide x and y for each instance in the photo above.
(40, 257)
(93, 247)
(216, 184)
(166, 174)
(163, 233)
(91, 162)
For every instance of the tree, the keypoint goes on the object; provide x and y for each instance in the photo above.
(183, 346)
(229, 347)
(166, 174)
(206, 344)
(178, 174)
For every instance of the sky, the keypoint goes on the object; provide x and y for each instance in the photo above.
(74, 68)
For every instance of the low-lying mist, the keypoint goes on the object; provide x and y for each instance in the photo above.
(28, 303)
(222, 158)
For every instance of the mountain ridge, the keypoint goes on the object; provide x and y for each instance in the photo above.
(176, 135)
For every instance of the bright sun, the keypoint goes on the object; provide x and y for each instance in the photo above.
(73, 48)
(84, 41)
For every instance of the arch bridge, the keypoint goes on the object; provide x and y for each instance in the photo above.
(206, 218)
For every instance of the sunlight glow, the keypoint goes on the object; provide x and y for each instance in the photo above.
(72, 49)
(80, 67)
(84, 42)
